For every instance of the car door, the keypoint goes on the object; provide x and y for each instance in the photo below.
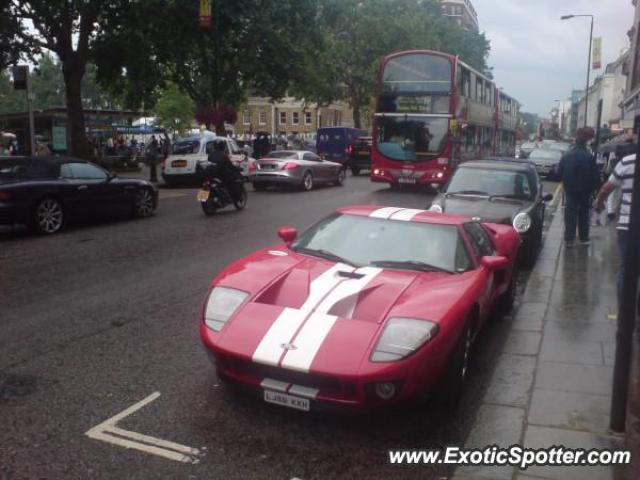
(482, 246)
(95, 193)
(314, 163)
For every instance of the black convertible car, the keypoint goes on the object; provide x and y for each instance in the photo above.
(499, 190)
(46, 192)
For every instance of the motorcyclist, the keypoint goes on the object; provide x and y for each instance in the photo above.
(225, 168)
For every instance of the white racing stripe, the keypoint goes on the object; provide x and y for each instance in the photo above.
(347, 289)
(385, 212)
(308, 342)
(281, 331)
(324, 284)
(406, 214)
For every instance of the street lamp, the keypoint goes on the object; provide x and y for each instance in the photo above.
(586, 92)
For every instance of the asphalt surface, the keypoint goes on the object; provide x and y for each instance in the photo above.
(101, 316)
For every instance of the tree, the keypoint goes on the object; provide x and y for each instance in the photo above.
(252, 45)
(69, 29)
(175, 109)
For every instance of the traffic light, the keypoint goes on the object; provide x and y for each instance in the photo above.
(20, 74)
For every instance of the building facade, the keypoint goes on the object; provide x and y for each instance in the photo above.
(289, 117)
(610, 88)
(461, 12)
(631, 101)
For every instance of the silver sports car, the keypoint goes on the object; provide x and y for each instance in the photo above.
(296, 168)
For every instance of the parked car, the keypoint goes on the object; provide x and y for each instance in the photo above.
(189, 155)
(360, 158)
(295, 168)
(369, 307)
(525, 149)
(337, 143)
(501, 191)
(546, 161)
(46, 192)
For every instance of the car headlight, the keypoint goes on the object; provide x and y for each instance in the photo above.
(435, 208)
(401, 337)
(522, 222)
(221, 304)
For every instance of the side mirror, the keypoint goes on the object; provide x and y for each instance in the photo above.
(287, 234)
(494, 262)
(111, 176)
(547, 198)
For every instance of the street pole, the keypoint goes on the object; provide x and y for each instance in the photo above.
(32, 132)
(599, 120)
(586, 92)
(627, 310)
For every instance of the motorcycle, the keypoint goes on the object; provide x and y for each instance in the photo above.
(214, 195)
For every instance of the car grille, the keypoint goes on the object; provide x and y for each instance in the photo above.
(323, 383)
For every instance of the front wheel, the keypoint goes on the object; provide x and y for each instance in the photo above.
(49, 216)
(456, 374)
(242, 201)
(208, 207)
(340, 177)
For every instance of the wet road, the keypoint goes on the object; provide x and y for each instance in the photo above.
(100, 317)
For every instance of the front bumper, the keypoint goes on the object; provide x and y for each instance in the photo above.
(326, 391)
(438, 176)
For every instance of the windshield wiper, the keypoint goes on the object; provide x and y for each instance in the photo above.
(326, 254)
(409, 264)
(467, 192)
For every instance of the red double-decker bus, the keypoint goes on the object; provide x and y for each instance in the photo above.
(432, 112)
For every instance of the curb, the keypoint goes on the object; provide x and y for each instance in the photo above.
(502, 415)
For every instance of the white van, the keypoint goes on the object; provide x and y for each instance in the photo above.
(189, 154)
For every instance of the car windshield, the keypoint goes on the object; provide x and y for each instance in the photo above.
(388, 243)
(505, 183)
(546, 153)
(186, 147)
(410, 138)
(283, 154)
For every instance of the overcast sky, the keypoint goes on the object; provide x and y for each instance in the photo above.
(538, 58)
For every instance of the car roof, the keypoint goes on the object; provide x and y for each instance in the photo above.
(499, 164)
(414, 215)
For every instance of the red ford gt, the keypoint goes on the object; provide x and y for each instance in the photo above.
(368, 307)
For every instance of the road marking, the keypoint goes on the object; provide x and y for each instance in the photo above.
(556, 195)
(108, 432)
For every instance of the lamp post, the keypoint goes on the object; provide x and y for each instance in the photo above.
(586, 92)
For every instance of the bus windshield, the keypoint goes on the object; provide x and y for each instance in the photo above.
(417, 72)
(410, 138)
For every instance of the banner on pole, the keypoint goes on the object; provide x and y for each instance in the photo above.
(597, 53)
(205, 13)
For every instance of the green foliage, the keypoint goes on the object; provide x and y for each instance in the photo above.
(356, 34)
(175, 109)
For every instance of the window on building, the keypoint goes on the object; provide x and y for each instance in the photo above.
(246, 117)
(307, 118)
(295, 118)
(283, 118)
(262, 117)
(479, 90)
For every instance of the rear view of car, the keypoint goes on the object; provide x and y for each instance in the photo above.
(337, 143)
(360, 158)
(546, 161)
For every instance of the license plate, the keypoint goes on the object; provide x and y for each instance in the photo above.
(203, 195)
(406, 180)
(286, 400)
(363, 152)
(179, 163)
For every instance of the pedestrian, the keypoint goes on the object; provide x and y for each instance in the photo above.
(166, 146)
(621, 178)
(152, 158)
(579, 174)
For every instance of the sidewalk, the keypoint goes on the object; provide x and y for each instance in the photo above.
(552, 382)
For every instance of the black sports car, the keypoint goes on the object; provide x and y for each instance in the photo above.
(499, 190)
(45, 192)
